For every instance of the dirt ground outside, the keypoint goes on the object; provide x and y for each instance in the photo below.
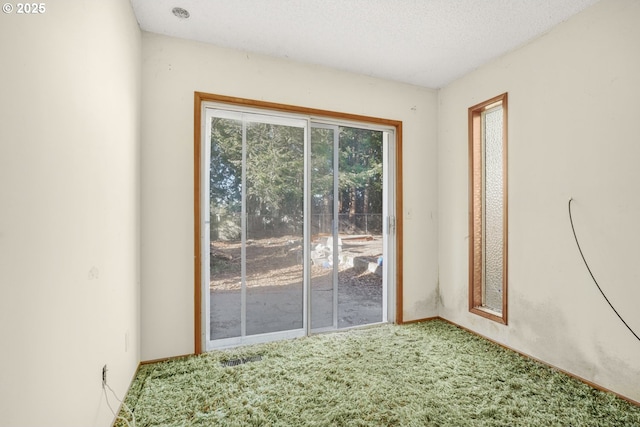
(278, 262)
(274, 274)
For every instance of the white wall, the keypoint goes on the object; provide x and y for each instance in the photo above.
(172, 70)
(69, 211)
(573, 132)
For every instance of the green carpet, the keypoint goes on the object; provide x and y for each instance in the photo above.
(427, 374)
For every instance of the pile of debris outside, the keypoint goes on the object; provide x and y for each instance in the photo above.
(324, 247)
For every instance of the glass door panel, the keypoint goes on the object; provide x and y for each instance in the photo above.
(274, 229)
(225, 208)
(323, 213)
(360, 231)
(347, 222)
(254, 282)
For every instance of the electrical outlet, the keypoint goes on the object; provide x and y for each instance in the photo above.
(104, 375)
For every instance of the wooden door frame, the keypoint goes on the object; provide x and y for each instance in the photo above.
(199, 99)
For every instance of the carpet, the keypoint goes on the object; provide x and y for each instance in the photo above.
(425, 374)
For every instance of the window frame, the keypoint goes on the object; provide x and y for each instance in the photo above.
(476, 203)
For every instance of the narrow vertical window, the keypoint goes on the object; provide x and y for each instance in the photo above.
(488, 209)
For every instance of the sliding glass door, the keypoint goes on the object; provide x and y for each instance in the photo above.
(296, 225)
(254, 227)
(348, 212)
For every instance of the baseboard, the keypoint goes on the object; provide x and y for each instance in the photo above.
(165, 359)
(528, 356)
(424, 319)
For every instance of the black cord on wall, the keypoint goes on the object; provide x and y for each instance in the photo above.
(594, 279)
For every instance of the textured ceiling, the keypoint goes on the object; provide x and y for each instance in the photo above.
(423, 42)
